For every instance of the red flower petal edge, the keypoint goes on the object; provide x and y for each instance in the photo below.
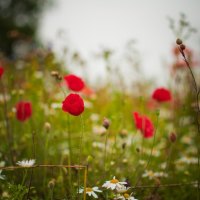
(74, 83)
(1, 71)
(161, 95)
(144, 124)
(23, 110)
(73, 104)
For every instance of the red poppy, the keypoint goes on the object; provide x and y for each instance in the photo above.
(1, 71)
(161, 95)
(24, 110)
(73, 104)
(74, 82)
(144, 124)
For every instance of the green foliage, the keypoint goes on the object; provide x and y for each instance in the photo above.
(17, 192)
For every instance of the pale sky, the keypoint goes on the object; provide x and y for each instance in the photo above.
(92, 24)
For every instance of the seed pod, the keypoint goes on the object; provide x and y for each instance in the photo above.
(179, 41)
(182, 46)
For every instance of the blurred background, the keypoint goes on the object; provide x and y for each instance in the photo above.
(91, 28)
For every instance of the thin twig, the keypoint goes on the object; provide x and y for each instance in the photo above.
(165, 185)
(40, 166)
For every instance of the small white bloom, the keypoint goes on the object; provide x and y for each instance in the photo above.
(94, 117)
(160, 174)
(112, 184)
(90, 191)
(187, 160)
(150, 174)
(122, 189)
(26, 163)
(99, 130)
(2, 177)
(126, 196)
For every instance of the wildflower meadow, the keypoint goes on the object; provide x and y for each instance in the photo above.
(63, 138)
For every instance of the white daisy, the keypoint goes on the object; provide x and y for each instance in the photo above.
(126, 196)
(26, 163)
(90, 191)
(2, 177)
(112, 184)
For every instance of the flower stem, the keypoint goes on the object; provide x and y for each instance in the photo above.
(197, 91)
(80, 151)
(105, 151)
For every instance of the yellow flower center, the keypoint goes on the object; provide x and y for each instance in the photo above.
(114, 181)
(88, 189)
(126, 195)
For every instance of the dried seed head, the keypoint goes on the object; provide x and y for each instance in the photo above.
(56, 75)
(179, 41)
(106, 123)
(182, 46)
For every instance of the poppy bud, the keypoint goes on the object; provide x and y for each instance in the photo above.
(179, 41)
(182, 46)
(123, 133)
(138, 149)
(124, 145)
(47, 126)
(106, 123)
(172, 137)
(89, 159)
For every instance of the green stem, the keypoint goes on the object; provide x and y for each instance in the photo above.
(105, 151)
(70, 152)
(80, 151)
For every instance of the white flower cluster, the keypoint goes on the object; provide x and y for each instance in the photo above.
(150, 174)
(114, 184)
